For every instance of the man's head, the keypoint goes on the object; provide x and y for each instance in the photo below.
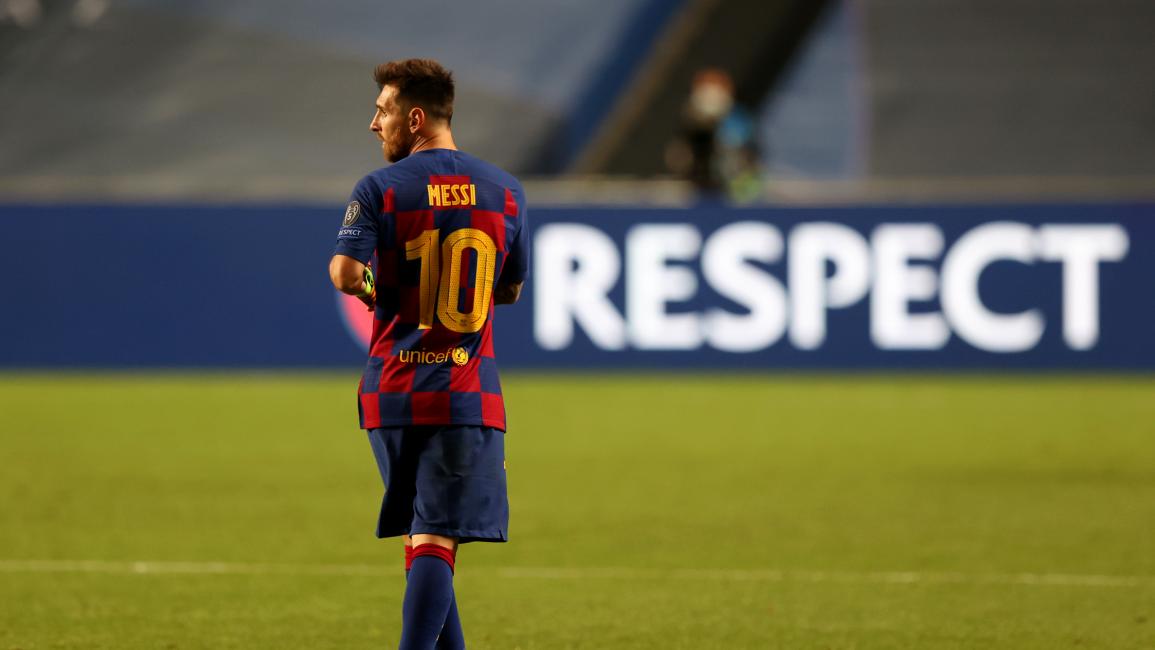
(416, 101)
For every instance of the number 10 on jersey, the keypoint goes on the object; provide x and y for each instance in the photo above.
(440, 277)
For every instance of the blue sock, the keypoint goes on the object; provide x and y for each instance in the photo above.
(452, 638)
(428, 598)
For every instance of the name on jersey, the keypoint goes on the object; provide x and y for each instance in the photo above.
(451, 196)
(459, 356)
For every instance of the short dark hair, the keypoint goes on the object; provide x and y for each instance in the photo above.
(419, 82)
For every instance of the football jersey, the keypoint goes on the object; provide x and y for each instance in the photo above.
(442, 229)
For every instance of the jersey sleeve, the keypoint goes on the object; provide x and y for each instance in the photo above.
(357, 237)
(516, 266)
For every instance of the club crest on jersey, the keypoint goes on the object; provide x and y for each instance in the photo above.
(352, 212)
(448, 195)
(460, 356)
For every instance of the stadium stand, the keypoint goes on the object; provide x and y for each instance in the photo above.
(186, 98)
(991, 87)
(159, 99)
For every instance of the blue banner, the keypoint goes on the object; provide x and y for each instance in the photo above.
(886, 287)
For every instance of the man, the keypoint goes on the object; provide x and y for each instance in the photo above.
(450, 238)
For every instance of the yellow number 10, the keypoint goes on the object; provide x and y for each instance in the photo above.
(425, 249)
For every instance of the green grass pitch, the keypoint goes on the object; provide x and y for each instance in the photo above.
(173, 511)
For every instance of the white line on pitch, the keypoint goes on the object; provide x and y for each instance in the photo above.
(870, 577)
(207, 568)
(584, 573)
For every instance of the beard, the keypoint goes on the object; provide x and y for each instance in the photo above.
(397, 147)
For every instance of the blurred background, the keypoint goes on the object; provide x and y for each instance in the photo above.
(867, 282)
(238, 129)
(130, 99)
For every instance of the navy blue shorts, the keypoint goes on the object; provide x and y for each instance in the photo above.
(442, 480)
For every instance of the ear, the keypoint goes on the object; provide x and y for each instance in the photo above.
(416, 119)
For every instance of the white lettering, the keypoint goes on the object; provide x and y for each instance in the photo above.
(897, 283)
(1081, 248)
(651, 283)
(575, 268)
(724, 266)
(812, 245)
(829, 266)
(961, 303)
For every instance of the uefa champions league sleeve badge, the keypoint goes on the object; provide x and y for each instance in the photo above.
(352, 213)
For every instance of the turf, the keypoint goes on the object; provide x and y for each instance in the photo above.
(647, 512)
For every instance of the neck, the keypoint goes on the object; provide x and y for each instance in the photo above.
(440, 139)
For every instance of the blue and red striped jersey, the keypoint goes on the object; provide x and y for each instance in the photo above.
(442, 229)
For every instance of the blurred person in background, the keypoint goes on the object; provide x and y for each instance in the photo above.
(449, 234)
(717, 149)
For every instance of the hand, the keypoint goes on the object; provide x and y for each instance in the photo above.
(368, 294)
(506, 294)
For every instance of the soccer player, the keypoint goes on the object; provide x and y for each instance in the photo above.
(450, 238)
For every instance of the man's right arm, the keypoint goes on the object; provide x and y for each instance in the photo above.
(356, 243)
(516, 267)
(353, 278)
(347, 274)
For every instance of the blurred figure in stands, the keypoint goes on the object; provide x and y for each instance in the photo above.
(717, 151)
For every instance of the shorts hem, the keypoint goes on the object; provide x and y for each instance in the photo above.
(463, 536)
